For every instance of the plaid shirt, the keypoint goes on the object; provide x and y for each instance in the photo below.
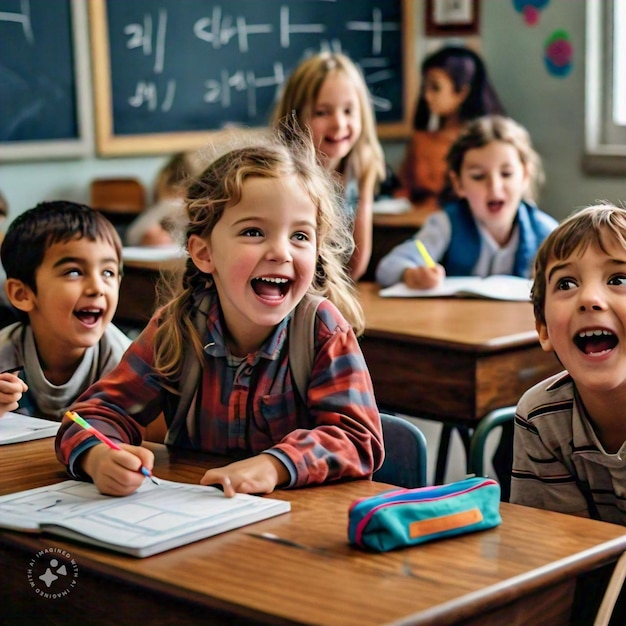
(244, 408)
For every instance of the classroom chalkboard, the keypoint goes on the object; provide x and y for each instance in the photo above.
(167, 72)
(39, 103)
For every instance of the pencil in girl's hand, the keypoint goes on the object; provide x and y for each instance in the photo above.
(425, 255)
(75, 417)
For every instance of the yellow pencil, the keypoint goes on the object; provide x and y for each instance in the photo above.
(422, 250)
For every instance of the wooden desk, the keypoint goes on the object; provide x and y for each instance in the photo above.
(522, 572)
(452, 360)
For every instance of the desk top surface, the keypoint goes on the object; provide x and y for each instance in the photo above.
(462, 323)
(327, 580)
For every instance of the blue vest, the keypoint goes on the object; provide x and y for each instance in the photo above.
(465, 241)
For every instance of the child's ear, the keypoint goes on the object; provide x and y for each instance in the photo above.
(201, 253)
(456, 184)
(20, 295)
(544, 338)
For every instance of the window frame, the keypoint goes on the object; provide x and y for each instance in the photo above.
(605, 154)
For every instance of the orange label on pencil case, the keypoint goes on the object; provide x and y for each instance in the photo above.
(445, 522)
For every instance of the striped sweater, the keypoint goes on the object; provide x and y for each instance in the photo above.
(558, 463)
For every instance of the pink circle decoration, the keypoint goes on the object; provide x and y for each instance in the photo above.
(531, 9)
(531, 15)
(558, 53)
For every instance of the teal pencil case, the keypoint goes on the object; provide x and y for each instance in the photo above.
(408, 517)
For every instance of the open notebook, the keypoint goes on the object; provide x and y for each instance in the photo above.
(15, 428)
(496, 287)
(153, 519)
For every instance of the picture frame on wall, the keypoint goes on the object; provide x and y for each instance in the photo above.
(452, 17)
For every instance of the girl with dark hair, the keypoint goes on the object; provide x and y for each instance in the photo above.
(455, 89)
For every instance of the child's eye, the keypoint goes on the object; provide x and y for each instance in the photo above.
(507, 174)
(300, 236)
(565, 284)
(252, 232)
(109, 273)
(617, 280)
(72, 272)
(477, 177)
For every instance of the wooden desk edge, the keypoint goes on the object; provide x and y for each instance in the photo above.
(482, 600)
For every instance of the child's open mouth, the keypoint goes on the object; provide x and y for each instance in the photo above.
(270, 287)
(494, 206)
(595, 341)
(88, 316)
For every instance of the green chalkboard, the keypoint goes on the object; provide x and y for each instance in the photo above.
(40, 110)
(168, 72)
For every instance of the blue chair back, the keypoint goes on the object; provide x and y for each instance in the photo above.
(405, 453)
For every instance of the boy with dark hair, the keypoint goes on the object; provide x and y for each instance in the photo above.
(64, 265)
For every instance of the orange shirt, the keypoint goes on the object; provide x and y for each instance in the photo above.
(424, 167)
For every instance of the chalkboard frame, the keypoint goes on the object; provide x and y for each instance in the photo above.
(65, 148)
(109, 144)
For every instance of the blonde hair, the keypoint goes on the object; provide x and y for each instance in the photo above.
(591, 226)
(221, 186)
(300, 94)
(484, 130)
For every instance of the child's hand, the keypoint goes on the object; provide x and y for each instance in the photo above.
(11, 390)
(423, 277)
(117, 472)
(258, 474)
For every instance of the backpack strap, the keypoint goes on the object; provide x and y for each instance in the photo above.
(302, 343)
(191, 373)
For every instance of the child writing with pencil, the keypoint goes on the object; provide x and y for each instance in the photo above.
(492, 226)
(328, 94)
(264, 230)
(64, 265)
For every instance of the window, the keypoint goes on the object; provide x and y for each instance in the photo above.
(605, 123)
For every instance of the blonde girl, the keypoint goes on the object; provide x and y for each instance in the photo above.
(264, 230)
(327, 93)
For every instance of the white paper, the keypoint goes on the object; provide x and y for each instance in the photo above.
(392, 206)
(152, 253)
(496, 287)
(15, 428)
